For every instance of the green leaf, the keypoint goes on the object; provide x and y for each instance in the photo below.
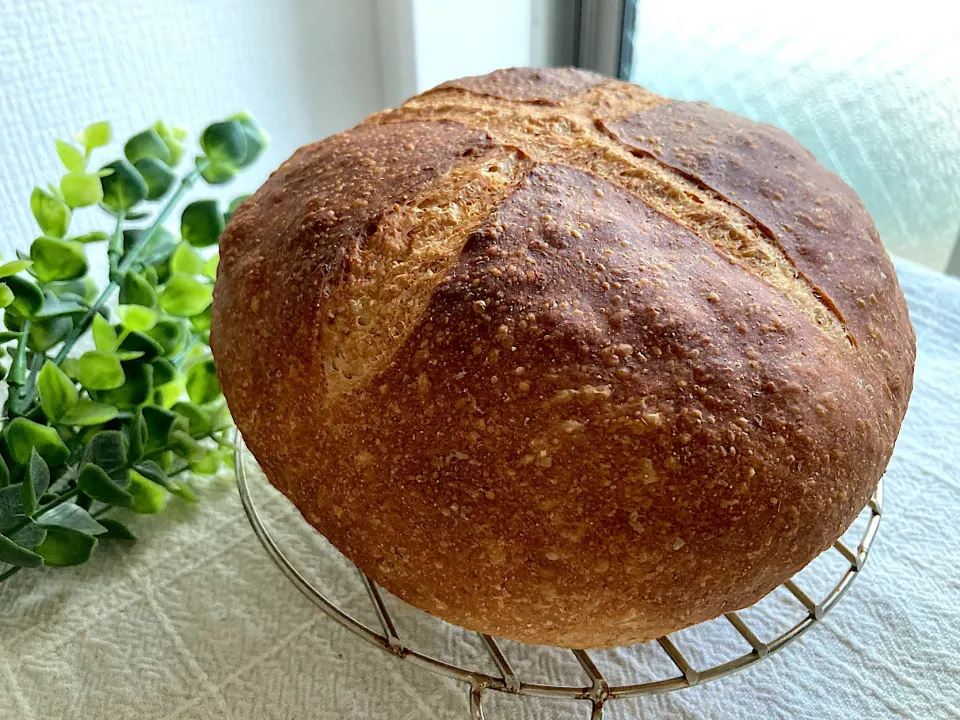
(170, 393)
(163, 371)
(71, 156)
(108, 451)
(173, 138)
(225, 142)
(11, 508)
(55, 259)
(87, 413)
(161, 244)
(128, 216)
(135, 290)
(74, 517)
(136, 317)
(137, 438)
(28, 297)
(146, 144)
(126, 355)
(13, 554)
(4, 474)
(184, 296)
(64, 547)
(95, 135)
(201, 321)
(137, 390)
(91, 237)
(158, 176)
(257, 139)
(6, 296)
(201, 223)
(37, 474)
(71, 366)
(81, 189)
(199, 422)
(13, 267)
(209, 268)
(57, 392)
(186, 446)
(84, 288)
(160, 423)
(95, 482)
(137, 341)
(186, 260)
(28, 499)
(23, 435)
(209, 464)
(54, 306)
(36, 480)
(169, 335)
(123, 188)
(101, 370)
(116, 530)
(235, 203)
(148, 497)
(232, 207)
(48, 332)
(104, 336)
(30, 535)
(153, 472)
(50, 212)
(215, 173)
(202, 384)
(182, 490)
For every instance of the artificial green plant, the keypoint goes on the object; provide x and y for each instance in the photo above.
(112, 400)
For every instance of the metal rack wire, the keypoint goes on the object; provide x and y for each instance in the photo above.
(598, 690)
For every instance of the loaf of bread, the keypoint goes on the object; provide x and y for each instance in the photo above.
(560, 360)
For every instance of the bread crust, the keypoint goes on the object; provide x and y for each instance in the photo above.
(556, 359)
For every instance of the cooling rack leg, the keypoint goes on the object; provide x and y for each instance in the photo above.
(597, 712)
(476, 702)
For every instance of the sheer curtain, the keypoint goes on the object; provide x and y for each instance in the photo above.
(872, 89)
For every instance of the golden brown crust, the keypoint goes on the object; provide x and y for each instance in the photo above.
(575, 412)
(534, 85)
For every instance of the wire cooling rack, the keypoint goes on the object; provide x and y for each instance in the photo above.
(760, 633)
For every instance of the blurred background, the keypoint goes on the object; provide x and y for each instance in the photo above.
(873, 91)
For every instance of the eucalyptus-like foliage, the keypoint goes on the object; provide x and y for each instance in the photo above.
(124, 422)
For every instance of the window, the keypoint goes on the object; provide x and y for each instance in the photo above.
(872, 91)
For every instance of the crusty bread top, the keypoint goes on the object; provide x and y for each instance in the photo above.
(550, 317)
(744, 188)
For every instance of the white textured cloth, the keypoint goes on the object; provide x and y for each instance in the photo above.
(194, 621)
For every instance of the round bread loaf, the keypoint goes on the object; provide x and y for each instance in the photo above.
(560, 360)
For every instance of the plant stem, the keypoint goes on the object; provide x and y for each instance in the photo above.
(30, 388)
(131, 257)
(18, 370)
(189, 179)
(59, 500)
(81, 327)
(19, 367)
(8, 573)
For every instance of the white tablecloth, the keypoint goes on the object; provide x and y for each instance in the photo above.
(194, 621)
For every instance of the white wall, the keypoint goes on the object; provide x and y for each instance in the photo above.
(425, 42)
(456, 39)
(304, 68)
